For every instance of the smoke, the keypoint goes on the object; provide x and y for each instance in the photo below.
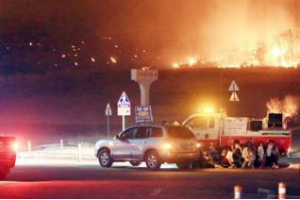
(236, 23)
(228, 29)
(288, 106)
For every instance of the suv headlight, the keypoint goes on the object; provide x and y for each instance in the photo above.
(167, 146)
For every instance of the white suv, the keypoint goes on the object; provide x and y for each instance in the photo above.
(154, 144)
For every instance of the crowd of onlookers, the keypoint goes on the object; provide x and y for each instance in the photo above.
(237, 156)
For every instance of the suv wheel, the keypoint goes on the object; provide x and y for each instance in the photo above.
(152, 160)
(104, 158)
(135, 163)
(183, 165)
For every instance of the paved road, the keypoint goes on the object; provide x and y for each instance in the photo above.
(91, 181)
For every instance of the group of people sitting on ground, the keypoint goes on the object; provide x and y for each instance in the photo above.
(237, 156)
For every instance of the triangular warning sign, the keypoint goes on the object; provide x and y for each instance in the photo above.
(124, 99)
(124, 105)
(234, 97)
(233, 87)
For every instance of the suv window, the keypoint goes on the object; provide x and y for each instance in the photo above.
(179, 132)
(156, 132)
(142, 132)
(128, 134)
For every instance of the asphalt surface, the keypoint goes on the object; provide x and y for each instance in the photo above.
(91, 181)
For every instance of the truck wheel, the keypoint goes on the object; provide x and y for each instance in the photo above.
(183, 165)
(152, 160)
(135, 163)
(104, 158)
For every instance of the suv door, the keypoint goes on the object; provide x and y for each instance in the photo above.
(122, 148)
(139, 142)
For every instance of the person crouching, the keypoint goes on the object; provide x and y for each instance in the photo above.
(249, 157)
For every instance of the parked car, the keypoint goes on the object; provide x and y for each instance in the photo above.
(154, 144)
(8, 148)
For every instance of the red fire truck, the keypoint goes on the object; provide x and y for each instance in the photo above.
(222, 131)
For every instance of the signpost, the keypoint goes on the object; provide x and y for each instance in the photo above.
(144, 78)
(124, 108)
(143, 114)
(233, 88)
(108, 113)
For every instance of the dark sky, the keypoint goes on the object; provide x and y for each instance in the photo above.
(167, 29)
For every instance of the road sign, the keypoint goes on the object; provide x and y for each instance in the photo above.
(108, 111)
(140, 75)
(233, 87)
(143, 114)
(234, 97)
(124, 105)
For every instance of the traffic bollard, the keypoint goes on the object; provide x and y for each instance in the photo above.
(29, 146)
(61, 143)
(281, 191)
(237, 192)
(79, 153)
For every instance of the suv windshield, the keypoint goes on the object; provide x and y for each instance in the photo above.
(179, 132)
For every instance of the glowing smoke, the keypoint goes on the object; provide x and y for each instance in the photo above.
(288, 106)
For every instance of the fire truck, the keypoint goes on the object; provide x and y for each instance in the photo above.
(221, 131)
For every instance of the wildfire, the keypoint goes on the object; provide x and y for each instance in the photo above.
(175, 65)
(276, 51)
(280, 50)
(113, 59)
(288, 106)
(190, 62)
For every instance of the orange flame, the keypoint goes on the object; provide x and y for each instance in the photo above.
(288, 106)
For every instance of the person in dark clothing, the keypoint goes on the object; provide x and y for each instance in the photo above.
(275, 157)
(207, 161)
(237, 156)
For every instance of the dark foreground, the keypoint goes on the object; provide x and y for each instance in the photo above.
(126, 182)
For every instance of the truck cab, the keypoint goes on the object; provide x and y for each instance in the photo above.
(206, 127)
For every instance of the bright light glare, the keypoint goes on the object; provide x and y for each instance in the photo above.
(198, 145)
(276, 51)
(15, 146)
(208, 110)
(176, 65)
(192, 61)
(167, 146)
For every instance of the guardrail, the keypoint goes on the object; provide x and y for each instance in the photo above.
(57, 151)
